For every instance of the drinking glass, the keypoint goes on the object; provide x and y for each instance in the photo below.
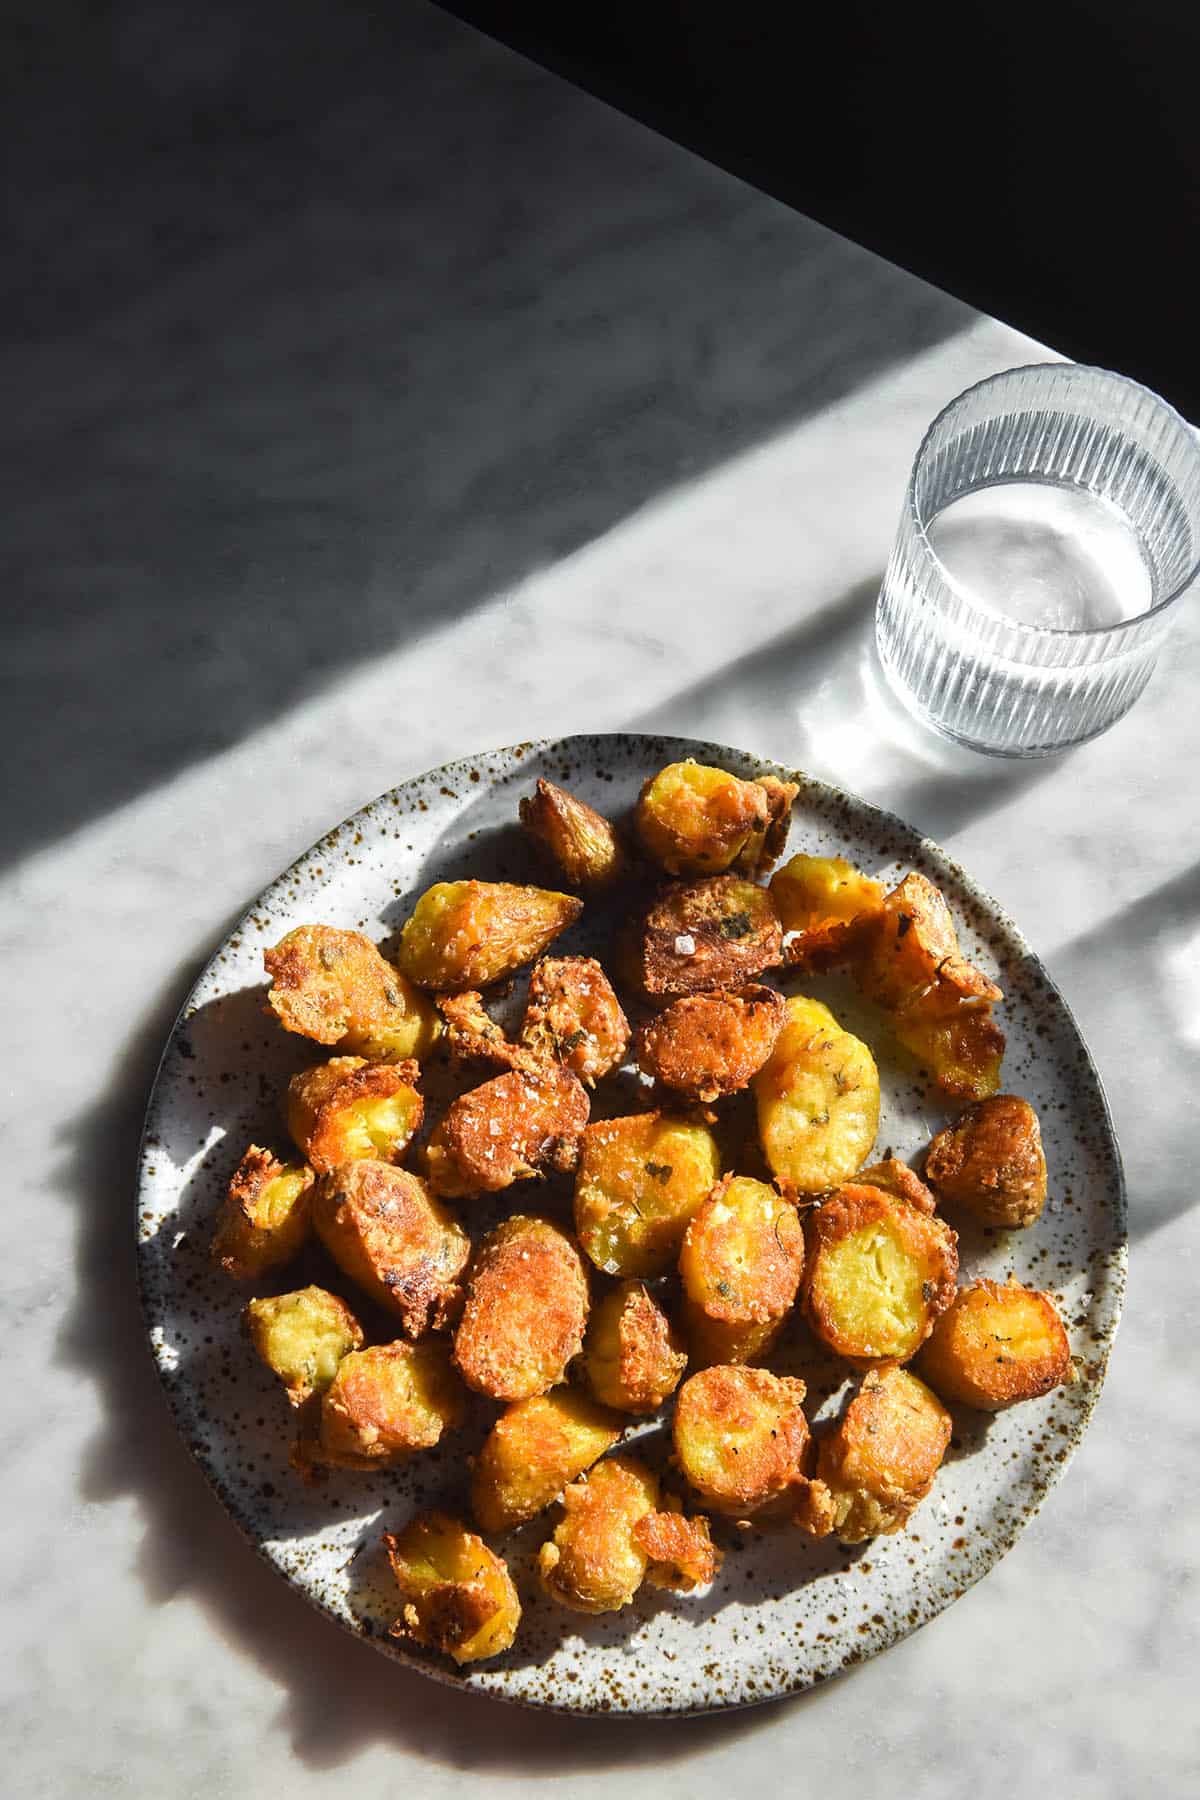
(1050, 533)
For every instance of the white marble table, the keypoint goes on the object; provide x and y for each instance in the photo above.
(551, 427)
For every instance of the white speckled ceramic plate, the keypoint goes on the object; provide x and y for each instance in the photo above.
(784, 1612)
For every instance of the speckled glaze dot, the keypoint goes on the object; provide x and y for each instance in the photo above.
(785, 1613)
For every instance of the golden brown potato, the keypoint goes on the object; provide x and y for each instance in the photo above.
(347, 1108)
(639, 1181)
(697, 935)
(514, 1127)
(990, 1162)
(383, 1404)
(472, 1035)
(681, 1551)
(697, 820)
(533, 1450)
(741, 1261)
(962, 1050)
(573, 1017)
(820, 899)
(302, 1337)
(996, 1346)
(266, 1217)
(877, 1274)
(525, 1312)
(467, 934)
(633, 1355)
(741, 1438)
(879, 1461)
(891, 1176)
(579, 840)
(706, 1045)
(384, 1228)
(594, 1563)
(817, 1100)
(335, 987)
(458, 1596)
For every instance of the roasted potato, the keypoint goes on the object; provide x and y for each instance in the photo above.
(472, 1035)
(467, 934)
(594, 1563)
(697, 820)
(817, 1100)
(347, 1108)
(698, 935)
(877, 1274)
(632, 1354)
(639, 1181)
(384, 1403)
(302, 1337)
(579, 841)
(266, 1216)
(573, 1017)
(335, 987)
(386, 1231)
(891, 1176)
(996, 1346)
(533, 1450)
(458, 1596)
(878, 1462)
(706, 1045)
(741, 1438)
(741, 1261)
(525, 1313)
(962, 1050)
(912, 945)
(990, 1163)
(821, 899)
(518, 1125)
(681, 1551)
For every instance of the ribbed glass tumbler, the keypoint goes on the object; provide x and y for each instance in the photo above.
(1050, 532)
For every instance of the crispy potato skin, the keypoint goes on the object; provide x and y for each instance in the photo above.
(579, 841)
(633, 1355)
(822, 901)
(706, 1045)
(573, 1017)
(741, 1261)
(891, 1176)
(457, 1595)
(525, 1313)
(996, 1346)
(880, 1460)
(301, 1337)
(467, 934)
(962, 1050)
(266, 1216)
(594, 1563)
(347, 1108)
(694, 819)
(472, 1035)
(817, 1100)
(741, 1438)
(515, 1126)
(698, 935)
(382, 1227)
(877, 1274)
(533, 1450)
(639, 1181)
(335, 987)
(681, 1551)
(991, 1163)
(384, 1403)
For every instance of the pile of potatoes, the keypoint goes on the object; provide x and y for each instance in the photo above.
(683, 1262)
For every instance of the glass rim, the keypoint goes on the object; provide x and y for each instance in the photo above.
(1122, 626)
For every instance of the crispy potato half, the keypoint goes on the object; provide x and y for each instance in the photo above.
(962, 1050)
(516, 1126)
(997, 1345)
(533, 1450)
(632, 1354)
(741, 1438)
(302, 1337)
(720, 932)
(336, 987)
(694, 819)
(467, 934)
(681, 1551)
(578, 840)
(594, 1562)
(383, 1227)
(706, 1045)
(817, 1100)
(741, 1262)
(266, 1216)
(877, 1274)
(526, 1308)
(819, 899)
(383, 1404)
(891, 1176)
(639, 1181)
(457, 1595)
(347, 1108)
(990, 1162)
(879, 1462)
(573, 1017)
